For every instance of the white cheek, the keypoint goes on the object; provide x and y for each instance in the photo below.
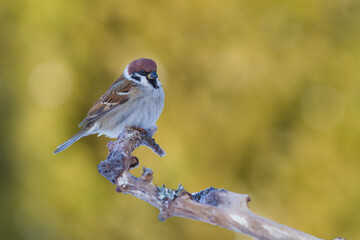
(126, 73)
(144, 81)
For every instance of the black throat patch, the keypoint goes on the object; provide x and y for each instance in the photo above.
(153, 83)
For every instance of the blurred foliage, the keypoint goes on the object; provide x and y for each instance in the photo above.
(262, 97)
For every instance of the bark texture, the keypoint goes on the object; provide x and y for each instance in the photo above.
(215, 206)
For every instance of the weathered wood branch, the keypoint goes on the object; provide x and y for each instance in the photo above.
(215, 206)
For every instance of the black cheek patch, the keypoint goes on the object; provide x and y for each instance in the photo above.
(137, 78)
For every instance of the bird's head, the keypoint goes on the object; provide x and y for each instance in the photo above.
(142, 71)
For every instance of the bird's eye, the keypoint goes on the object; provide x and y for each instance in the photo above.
(142, 73)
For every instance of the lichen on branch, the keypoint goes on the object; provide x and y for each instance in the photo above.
(215, 206)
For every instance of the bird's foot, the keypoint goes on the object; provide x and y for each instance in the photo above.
(147, 132)
(142, 130)
(152, 130)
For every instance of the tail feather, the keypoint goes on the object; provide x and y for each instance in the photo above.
(82, 133)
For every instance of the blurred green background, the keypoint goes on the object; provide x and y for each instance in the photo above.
(262, 97)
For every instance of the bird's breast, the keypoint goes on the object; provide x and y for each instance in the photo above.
(141, 111)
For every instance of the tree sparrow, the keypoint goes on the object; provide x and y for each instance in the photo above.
(135, 99)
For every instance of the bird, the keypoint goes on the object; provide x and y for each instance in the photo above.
(135, 99)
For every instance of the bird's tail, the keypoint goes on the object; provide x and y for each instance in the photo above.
(82, 133)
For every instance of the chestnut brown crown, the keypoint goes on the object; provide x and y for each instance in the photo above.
(142, 64)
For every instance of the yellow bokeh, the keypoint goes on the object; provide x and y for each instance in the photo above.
(262, 97)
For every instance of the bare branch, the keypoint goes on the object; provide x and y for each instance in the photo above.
(215, 206)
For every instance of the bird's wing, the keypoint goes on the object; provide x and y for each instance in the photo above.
(117, 94)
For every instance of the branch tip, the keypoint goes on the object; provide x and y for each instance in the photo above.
(162, 216)
(147, 174)
(134, 162)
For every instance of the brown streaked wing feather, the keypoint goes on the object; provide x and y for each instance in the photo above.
(110, 100)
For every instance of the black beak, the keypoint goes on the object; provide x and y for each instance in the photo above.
(152, 75)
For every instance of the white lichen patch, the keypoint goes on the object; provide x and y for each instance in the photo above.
(276, 232)
(240, 220)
